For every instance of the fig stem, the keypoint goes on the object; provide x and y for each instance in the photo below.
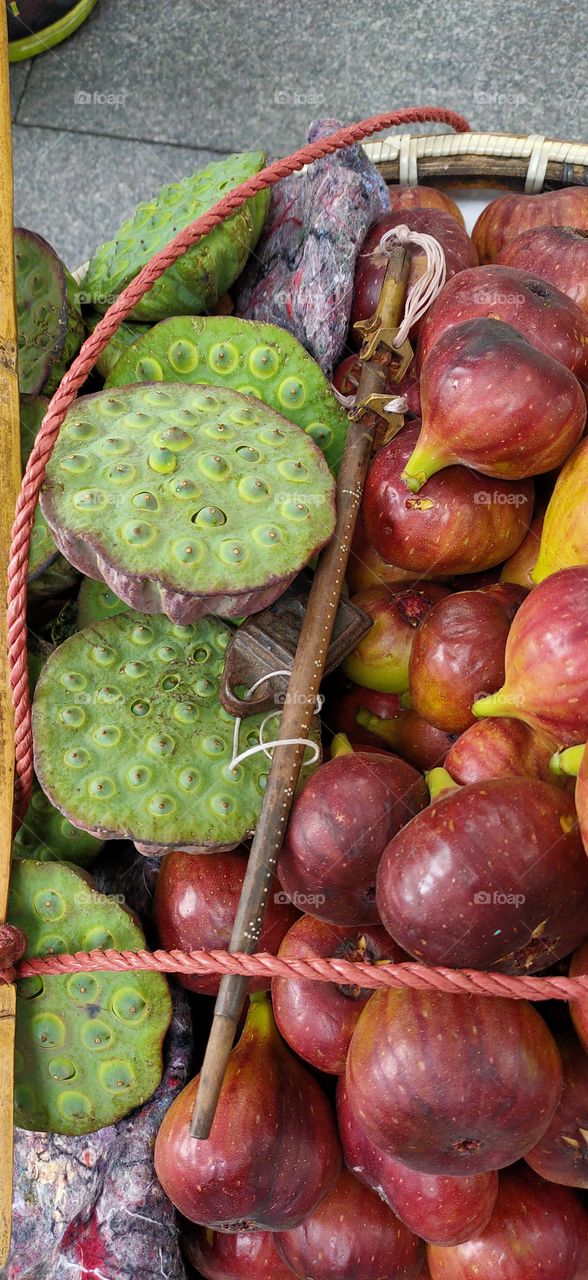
(439, 781)
(381, 728)
(568, 762)
(341, 746)
(496, 704)
(381, 364)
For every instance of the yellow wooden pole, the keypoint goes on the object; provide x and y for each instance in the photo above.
(10, 475)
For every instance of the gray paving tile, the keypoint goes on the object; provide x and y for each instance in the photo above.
(18, 77)
(75, 190)
(251, 72)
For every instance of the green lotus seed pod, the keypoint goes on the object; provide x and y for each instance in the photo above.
(131, 740)
(127, 333)
(95, 602)
(197, 514)
(49, 319)
(47, 836)
(196, 281)
(88, 1046)
(254, 358)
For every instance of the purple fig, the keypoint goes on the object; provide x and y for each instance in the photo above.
(352, 1235)
(340, 824)
(273, 1152)
(546, 660)
(442, 1210)
(317, 1019)
(457, 652)
(460, 522)
(452, 1084)
(561, 1155)
(491, 876)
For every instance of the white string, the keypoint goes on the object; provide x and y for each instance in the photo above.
(398, 404)
(347, 401)
(275, 742)
(423, 293)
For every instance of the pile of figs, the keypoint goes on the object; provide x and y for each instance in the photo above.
(398, 1133)
(402, 1134)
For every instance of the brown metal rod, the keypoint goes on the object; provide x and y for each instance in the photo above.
(299, 705)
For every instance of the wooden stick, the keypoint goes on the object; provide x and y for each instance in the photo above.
(10, 475)
(299, 705)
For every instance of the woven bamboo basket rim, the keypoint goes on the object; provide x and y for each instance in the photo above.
(407, 158)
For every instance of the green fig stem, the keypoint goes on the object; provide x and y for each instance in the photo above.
(439, 781)
(260, 1018)
(568, 762)
(421, 465)
(384, 729)
(495, 704)
(341, 746)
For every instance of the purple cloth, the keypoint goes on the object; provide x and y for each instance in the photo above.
(91, 1208)
(301, 274)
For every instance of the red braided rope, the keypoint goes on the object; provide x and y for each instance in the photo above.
(84, 363)
(415, 977)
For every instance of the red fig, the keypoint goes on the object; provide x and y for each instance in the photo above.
(380, 660)
(196, 899)
(501, 749)
(459, 522)
(353, 1235)
(408, 735)
(452, 1084)
(243, 1255)
(418, 197)
(457, 652)
(340, 823)
(371, 264)
(342, 708)
(442, 1210)
(508, 594)
(273, 1152)
(557, 254)
(493, 402)
(546, 660)
(317, 1019)
(508, 216)
(366, 568)
(534, 1232)
(548, 319)
(561, 1155)
(519, 566)
(491, 876)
